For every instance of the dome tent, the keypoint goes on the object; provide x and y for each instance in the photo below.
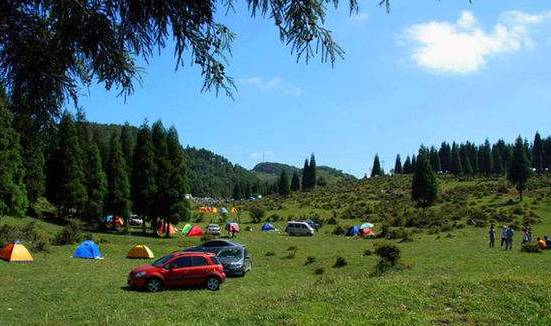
(140, 251)
(193, 231)
(266, 227)
(87, 249)
(15, 252)
(353, 231)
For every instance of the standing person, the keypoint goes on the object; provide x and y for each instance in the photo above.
(509, 242)
(525, 235)
(547, 242)
(504, 236)
(492, 236)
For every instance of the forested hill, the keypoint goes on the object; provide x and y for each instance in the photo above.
(211, 174)
(270, 171)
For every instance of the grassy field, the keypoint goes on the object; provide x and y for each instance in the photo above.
(453, 278)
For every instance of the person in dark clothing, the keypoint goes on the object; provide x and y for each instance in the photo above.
(547, 242)
(503, 236)
(509, 234)
(492, 234)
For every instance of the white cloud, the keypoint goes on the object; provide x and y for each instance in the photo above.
(464, 47)
(264, 154)
(359, 18)
(275, 84)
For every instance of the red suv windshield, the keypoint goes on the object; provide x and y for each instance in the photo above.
(161, 261)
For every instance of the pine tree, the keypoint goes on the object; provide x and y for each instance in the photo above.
(295, 182)
(236, 194)
(456, 168)
(71, 194)
(96, 183)
(537, 153)
(179, 207)
(519, 169)
(407, 166)
(118, 199)
(547, 154)
(144, 186)
(376, 170)
(312, 175)
(435, 160)
(485, 158)
(398, 165)
(159, 138)
(128, 143)
(445, 157)
(424, 187)
(13, 195)
(413, 163)
(499, 169)
(466, 162)
(305, 175)
(284, 187)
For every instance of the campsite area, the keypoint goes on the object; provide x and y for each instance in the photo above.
(450, 277)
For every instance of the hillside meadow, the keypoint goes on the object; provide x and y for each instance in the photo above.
(450, 275)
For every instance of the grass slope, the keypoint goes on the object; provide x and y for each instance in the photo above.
(453, 279)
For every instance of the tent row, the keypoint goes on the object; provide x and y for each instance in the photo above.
(364, 230)
(222, 210)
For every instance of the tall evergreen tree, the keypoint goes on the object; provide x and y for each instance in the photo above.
(456, 167)
(519, 170)
(295, 182)
(398, 165)
(128, 143)
(118, 199)
(179, 207)
(537, 153)
(424, 187)
(96, 183)
(407, 166)
(312, 175)
(435, 160)
(376, 169)
(70, 192)
(445, 156)
(547, 154)
(13, 195)
(485, 158)
(499, 169)
(159, 138)
(413, 163)
(143, 185)
(472, 153)
(305, 175)
(284, 187)
(466, 162)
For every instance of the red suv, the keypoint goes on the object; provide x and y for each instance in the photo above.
(179, 269)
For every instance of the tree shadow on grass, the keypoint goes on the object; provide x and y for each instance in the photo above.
(127, 288)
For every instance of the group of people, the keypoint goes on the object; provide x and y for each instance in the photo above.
(507, 233)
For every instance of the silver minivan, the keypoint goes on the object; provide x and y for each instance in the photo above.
(299, 228)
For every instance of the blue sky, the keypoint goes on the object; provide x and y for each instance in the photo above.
(428, 71)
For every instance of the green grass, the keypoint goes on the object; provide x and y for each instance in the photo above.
(451, 280)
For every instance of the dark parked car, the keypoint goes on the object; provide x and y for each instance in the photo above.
(179, 269)
(235, 258)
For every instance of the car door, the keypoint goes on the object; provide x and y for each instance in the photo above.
(178, 272)
(198, 271)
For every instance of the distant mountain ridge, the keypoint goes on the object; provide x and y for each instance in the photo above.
(269, 171)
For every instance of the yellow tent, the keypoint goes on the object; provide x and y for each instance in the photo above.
(234, 210)
(16, 252)
(140, 251)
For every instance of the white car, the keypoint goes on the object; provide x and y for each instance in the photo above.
(213, 229)
(299, 228)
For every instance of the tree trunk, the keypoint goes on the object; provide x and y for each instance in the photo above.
(520, 194)
(143, 226)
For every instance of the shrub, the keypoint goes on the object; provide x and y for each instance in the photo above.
(388, 252)
(396, 233)
(332, 221)
(340, 262)
(274, 218)
(257, 214)
(319, 270)
(339, 230)
(530, 248)
(269, 254)
(42, 208)
(36, 240)
(71, 233)
(310, 260)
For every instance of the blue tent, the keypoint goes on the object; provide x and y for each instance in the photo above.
(267, 227)
(353, 231)
(87, 249)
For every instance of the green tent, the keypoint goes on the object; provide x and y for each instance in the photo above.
(186, 229)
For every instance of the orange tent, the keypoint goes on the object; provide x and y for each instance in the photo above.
(161, 229)
(16, 252)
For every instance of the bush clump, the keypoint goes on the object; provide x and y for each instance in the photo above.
(71, 233)
(36, 240)
(310, 260)
(319, 270)
(269, 254)
(339, 230)
(389, 257)
(340, 262)
(257, 214)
